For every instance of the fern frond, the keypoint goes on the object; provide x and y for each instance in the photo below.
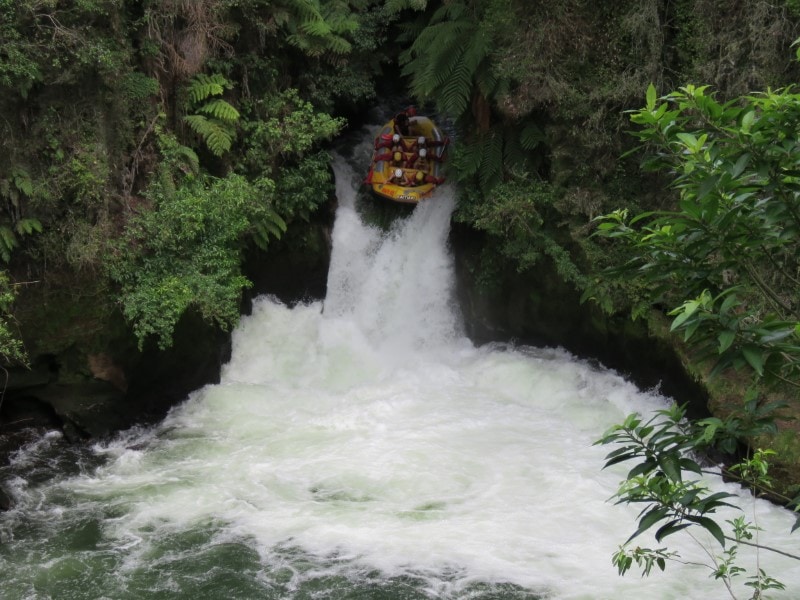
(316, 28)
(277, 220)
(197, 123)
(515, 157)
(453, 11)
(220, 109)
(306, 10)
(302, 43)
(469, 159)
(28, 226)
(219, 141)
(456, 92)
(477, 50)
(189, 158)
(340, 22)
(217, 136)
(270, 226)
(8, 241)
(22, 181)
(491, 172)
(261, 239)
(531, 136)
(339, 45)
(203, 86)
(441, 66)
(392, 7)
(166, 181)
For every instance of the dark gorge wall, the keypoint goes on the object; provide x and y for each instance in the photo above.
(536, 307)
(89, 379)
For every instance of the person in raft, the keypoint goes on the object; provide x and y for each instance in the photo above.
(408, 178)
(428, 178)
(423, 142)
(401, 122)
(419, 160)
(393, 157)
(391, 142)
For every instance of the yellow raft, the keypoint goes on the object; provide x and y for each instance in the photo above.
(406, 163)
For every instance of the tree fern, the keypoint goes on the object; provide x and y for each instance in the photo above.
(447, 57)
(220, 110)
(449, 61)
(204, 86)
(8, 241)
(216, 134)
(395, 6)
(214, 119)
(187, 159)
(489, 155)
(491, 172)
(319, 28)
(269, 225)
(316, 27)
(28, 226)
(17, 185)
(531, 136)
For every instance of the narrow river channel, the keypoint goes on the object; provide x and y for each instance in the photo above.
(356, 448)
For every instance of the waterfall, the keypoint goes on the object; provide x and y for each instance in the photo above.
(359, 447)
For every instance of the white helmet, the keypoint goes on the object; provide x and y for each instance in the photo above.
(421, 140)
(396, 138)
(423, 153)
(398, 173)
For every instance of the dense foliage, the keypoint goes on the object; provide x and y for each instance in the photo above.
(728, 256)
(146, 144)
(125, 126)
(726, 261)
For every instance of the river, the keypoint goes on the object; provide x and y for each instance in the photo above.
(357, 448)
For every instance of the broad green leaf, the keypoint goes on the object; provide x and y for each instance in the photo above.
(670, 464)
(652, 517)
(747, 121)
(711, 526)
(669, 529)
(726, 339)
(754, 357)
(738, 168)
(688, 140)
(651, 97)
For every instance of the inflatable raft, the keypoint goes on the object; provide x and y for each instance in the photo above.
(407, 161)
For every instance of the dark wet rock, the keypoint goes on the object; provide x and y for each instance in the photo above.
(6, 503)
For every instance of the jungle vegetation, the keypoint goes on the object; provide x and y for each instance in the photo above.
(645, 151)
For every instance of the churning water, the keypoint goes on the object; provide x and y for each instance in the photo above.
(356, 448)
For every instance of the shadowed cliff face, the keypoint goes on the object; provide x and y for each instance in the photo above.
(91, 385)
(536, 307)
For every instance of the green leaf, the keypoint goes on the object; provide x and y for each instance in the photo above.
(220, 109)
(726, 339)
(669, 529)
(641, 469)
(688, 139)
(741, 163)
(711, 526)
(670, 464)
(684, 312)
(652, 517)
(754, 357)
(747, 120)
(651, 97)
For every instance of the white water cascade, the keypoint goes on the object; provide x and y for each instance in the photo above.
(361, 448)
